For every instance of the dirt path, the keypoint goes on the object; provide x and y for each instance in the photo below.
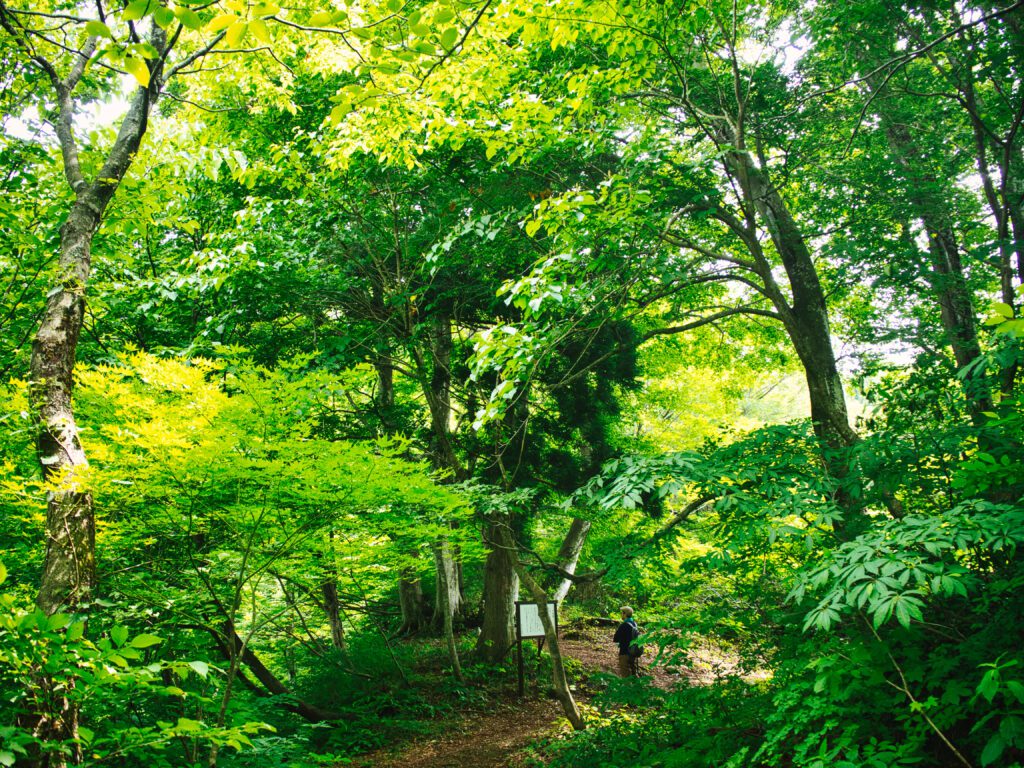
(498, 739)
(483, 741)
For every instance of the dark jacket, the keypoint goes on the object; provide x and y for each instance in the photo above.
(625, 635)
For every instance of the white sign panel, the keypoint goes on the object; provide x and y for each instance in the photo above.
(529, 619)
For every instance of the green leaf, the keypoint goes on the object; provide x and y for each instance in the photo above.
(222, 22)
(3, 573)
(266, 9)
(339, 112)
(137, 68)
(1017, 689)
(395, 5)
(448, 38)
(188, 18)
(163, 17)
(145, 641)
(989, 685)
(137, 9)
(6, 758)
(320, 18)
(146, 51)
(119, 635)
(260, 30)
(235, 33)
(1003, 309)
(444, 16)
(201, 667)
(992, 750)
(95, 28)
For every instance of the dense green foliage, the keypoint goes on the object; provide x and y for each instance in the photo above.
(308, 358)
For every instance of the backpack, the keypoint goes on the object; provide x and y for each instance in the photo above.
(635, 651)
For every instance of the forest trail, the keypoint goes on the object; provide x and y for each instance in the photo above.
(498, 739)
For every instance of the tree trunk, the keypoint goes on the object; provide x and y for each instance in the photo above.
(445, 576)
(410, 599)
(447, 598)
(569, 554)
(332, 608)
(69, 573)
(501, 590)
(805, 314)
(946, 276)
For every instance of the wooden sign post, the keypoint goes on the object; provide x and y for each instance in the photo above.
(528, 624)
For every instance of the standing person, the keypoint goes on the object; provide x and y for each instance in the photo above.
(627, 632)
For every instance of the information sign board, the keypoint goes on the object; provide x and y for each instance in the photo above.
(528, 624)
(528, 619)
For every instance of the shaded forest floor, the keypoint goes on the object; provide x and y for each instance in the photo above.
(500, 735)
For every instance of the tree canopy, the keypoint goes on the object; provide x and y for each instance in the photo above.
(330, 332)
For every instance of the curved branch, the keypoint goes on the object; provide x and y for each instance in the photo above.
(708, 320)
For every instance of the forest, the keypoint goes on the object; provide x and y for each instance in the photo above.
(332, 332)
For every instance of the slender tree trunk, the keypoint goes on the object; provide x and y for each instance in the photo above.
(69, 572)
(804, 314)
(569, 554)
(332, 608)
(946, 275)
(435, 382)
(447, 598)
(445, 589)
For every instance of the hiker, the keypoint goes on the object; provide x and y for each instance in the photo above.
(629, 654)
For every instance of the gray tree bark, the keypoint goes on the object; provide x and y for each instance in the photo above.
(569, 554)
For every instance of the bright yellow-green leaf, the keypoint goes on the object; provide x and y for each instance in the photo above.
(339, 112)
(444, 16)
(448, 38)
(137, 68)
(137, 9)
(236, 5)
(145, 641)
(221, 22)
(266, 9)
(146, 50)
(1002, 309)
(95, 28)
(235, 33)
(260, 31)
(320, 18)
(395, 5)
(3, 573)
(188, 18)
(163, 17)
